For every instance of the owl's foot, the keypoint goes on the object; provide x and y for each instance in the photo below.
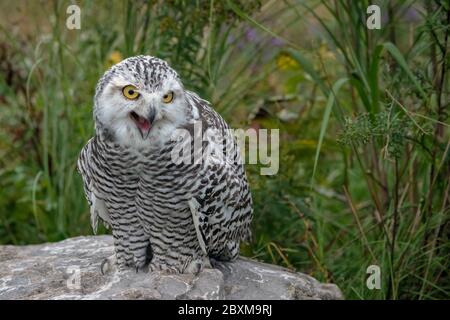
(214, 262)
(141, 258)
(108, 264)
(164, 268)
(189, 266)
(140, 265)
(197, 265)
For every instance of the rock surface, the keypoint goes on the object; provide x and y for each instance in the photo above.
(70, 269)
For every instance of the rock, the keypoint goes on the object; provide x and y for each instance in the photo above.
(70, 269)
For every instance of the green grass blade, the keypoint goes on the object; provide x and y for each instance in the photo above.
(326, 117)
(397, 55)
(373, 79)
(308, 68)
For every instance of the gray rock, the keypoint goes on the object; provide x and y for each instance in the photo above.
(70, 269)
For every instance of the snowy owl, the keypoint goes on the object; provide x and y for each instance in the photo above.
(169, 209)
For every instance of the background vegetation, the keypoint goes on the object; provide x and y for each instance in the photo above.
(363, 118)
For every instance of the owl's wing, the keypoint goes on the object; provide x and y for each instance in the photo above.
(222, 206)
(198, 217)
(222, 209)
(86, 168)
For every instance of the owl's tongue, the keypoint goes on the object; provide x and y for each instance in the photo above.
(142, 123)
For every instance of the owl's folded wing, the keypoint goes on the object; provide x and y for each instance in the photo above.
(97, 205)
(222, 210)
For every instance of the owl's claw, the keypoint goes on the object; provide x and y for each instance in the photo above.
(104, 267)
(108, 264)
(213, 263)
(196, 266)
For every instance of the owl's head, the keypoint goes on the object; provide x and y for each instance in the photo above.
(140, 101)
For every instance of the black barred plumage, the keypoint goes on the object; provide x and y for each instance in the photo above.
(172, 215)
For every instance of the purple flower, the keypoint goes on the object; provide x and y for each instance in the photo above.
(230, 39)
(277, 42)
(251, 34)
(412, 15)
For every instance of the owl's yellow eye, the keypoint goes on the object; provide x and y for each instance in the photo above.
(130, 92)
(168, 97)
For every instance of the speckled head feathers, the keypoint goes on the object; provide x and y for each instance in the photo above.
(150, 70)
(158, 106)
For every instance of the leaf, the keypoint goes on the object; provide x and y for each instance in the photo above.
(373, 79)
(308, 67)
(397, 55)
(357, 82)
(326, 117)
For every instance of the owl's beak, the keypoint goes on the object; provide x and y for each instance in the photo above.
(144, 124)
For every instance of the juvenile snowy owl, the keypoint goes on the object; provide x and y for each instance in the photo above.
(172, 203)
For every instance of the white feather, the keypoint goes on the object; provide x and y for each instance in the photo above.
(194, 205)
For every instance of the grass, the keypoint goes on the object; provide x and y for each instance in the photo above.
(364, 159)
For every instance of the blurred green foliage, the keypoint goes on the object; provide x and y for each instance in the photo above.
(386, 126)
(363, 118)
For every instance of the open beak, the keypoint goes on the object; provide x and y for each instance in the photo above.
(144, 124)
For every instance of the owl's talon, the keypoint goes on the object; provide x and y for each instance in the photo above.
(108, 264)
(104, 266)
(213, 263)
(196, 266)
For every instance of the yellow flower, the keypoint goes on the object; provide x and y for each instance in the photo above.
(285, 62)
(307, 143)
(325, 52)
(114, 58)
